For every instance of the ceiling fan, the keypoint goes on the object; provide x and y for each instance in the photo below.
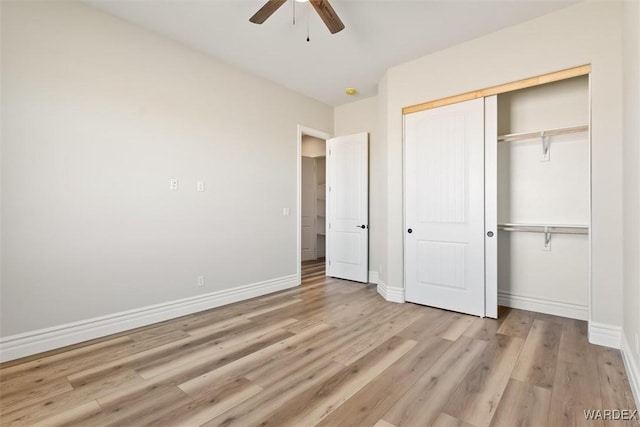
(322, 7)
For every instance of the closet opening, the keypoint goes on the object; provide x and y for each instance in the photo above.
(498, 198)
(543, 198)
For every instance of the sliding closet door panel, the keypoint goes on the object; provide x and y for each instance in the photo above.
(491, 205)
(444, 207)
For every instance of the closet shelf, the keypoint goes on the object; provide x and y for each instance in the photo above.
(545, 228)
(551, 132)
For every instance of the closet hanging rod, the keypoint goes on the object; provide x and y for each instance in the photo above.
(520, 224)
(551, 132)
(538, 228)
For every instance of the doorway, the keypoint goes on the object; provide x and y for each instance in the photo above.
(313, 194)
(335, 217)
(312, 148)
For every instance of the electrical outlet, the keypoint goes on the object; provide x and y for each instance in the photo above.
(200, 187)
(200, 281)
(285, 212)
(173, 184)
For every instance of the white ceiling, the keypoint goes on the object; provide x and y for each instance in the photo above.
(378, 35)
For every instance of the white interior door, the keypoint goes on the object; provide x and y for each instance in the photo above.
(348, 207)
(308, 209)
(444, 207)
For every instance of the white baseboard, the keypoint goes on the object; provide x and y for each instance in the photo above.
(573, 311)
(391, 293)
(29, 343)
(605, 334)
(632, 365)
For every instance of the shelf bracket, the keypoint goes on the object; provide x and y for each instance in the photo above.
(547, 238)
(546, 145)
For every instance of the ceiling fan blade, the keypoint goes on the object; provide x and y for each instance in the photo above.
(328, 15)
(266, 11)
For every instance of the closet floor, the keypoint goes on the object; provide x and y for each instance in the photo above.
(329, 352)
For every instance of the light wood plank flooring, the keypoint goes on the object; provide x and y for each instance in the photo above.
(330, 353)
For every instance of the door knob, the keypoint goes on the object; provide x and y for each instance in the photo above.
(361, 226)
(409, 231)
(490, 233)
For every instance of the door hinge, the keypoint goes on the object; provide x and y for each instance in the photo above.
(329, 226)
(329, 152)
(329, 188)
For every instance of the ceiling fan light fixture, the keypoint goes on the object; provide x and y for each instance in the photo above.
(322, 8)
(350, 91)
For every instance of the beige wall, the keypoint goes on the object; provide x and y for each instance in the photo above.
(632, 181)
(581, 34)
(97, 116)
(362, 116)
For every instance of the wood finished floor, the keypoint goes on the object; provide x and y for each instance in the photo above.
(329, 353)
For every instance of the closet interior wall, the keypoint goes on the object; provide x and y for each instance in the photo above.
(321, 204)
(553, 279)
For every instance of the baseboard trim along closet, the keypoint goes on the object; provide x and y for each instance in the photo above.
(632, 367)
(391, 293)
(573, 311)
(34, 342)
(605, 334)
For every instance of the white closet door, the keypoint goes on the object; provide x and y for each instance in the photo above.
(348, 207)
(444, 207)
